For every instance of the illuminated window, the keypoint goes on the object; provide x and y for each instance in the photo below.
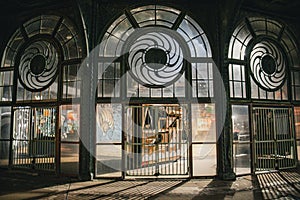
(157, 44)
(264, 50)
(38, 49)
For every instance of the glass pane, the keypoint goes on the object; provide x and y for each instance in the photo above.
(69, 158)
(69, 122)
(202, 88)
(65, 32)
(121, 30)
(71, 48)
(237, 89)
(71, 82)
(166, 16)
(242, 158)
(17, 40)
(298, 150)
(140, 9)
(144, 91)
(167, 9)
(108, 88)
(109, 160)
(243, 34)
(132, 88)
(111, 46)
(189, 29)
(200, 48)
(32, 27)
(297, 122)
(156, 92)
(168, 91)
(109, 123)
(6, 83)
(237, 50)
(258, 25)
(5, 113)
(240, 123)
(48, 23)
(145, 15)
(11, 49)
(204, 159)
(180, 87)
(203, 123)
(274, 28)
(4, 153)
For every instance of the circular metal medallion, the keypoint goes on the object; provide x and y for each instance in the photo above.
(38, 66)
(155, 57)
(268, 65)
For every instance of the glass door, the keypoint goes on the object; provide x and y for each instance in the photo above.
(274, 140)
(156, 140)
(34, 138)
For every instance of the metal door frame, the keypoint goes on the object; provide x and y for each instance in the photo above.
(35, 152)
(273, 161)
(160, 146)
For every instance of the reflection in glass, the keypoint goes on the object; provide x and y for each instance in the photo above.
(204, 159)
(241, 139)
(69, 122)
(6, 84)
(109, 160)
(298, 150)
(203, 123)
(109, 79)
(4, 153)
(297, 122)
(5, 113)
(69, 158)
(71, 82)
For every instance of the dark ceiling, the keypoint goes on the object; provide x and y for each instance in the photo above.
(284, 8)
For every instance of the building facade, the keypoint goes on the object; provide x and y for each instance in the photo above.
(153, 89)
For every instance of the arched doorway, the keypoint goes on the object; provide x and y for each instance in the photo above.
(38, 78)
(262, 66)
(155, 61)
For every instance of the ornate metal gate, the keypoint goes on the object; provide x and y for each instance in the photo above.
(156, 140)
(274, 140)
(34, 138)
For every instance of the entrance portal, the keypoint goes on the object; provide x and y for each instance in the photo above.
(156, 140)
(34, 138)
(274, 138)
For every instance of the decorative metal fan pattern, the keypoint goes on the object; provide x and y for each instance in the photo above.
(155, 59)
(268, 66)
(38, 66)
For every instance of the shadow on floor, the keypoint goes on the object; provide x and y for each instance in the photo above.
(21, 181)
(284, 184)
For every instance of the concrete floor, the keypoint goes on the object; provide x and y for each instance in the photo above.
(28, 185)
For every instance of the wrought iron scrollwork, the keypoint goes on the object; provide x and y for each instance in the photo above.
(268, 65)
(155, 59)
(38, 66)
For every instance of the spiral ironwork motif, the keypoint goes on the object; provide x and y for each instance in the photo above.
(155, 59)
(38, 66)
(268, 66)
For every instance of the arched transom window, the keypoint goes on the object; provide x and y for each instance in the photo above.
(36, 52)
(262, 52)
(153, 46)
